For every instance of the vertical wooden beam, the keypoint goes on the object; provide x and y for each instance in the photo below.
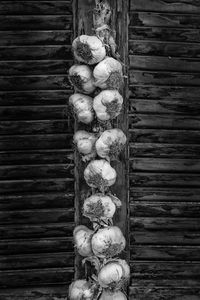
(83, 24)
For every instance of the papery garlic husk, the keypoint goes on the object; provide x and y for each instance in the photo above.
(108, 74)
(83, 107)
(88, 49)
(81, 289)
(99, 207)
(82, 79)
(108, 242)
(110, 143)
(107, 105)
(99, 174)
(85, 143)
(112, 295)
(82, 238)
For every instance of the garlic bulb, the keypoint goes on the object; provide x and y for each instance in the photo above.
(81, 289)
(108, 242)
(85, 143)
(108, 74)
(82, 238)
(99, 174)
(82, 106)
(81, 78)
(88, 49)
(110, 143)
(107, 105)
(112, 295)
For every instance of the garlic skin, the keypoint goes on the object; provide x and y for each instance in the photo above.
(82, 79)
(108, 74)
(82, 106)
(88, 49)
(108, 242)
(85, 143)
(99, 174)
(110, 143)
(110, 275)
(107, 105)
(109, 295)
(82, 238)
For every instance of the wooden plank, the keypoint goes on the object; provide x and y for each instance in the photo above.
(161, 48)
(34, 7)
(167, 121)
(37, 261)
(36, 277)
(158, 19)
(165, 34)
(36, 231)
(164, 136)
(169, 63)
(37, 201)
(56, 156)
(42, 141)
(161, 78)
(31, 37)
(164, 209)
(181, 6)
(164, 150)
(168, 106)
(164, 179)
(36, 185)
(165, 194)
(36, 216)
(164, 165)
(157, 252)
(37, 22)
(164, 92)
(35, 97)
(36, 245)
(35, 52)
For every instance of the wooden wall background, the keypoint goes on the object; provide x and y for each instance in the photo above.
(164, 53)
(36, 173)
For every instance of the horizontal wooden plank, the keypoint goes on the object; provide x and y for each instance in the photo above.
(42, 141)
(164, 209)
(166, 252)
(36, 185)
(45, 114)
(36, 277)
(164, 121)
(159, 78)
(164, 179)
(164, 150)
(36, 245)
(182, 6)
(36, 231)
(34, 82)
(164, 92)
(182, 106)
(37, 261)
(34, 67)
(35, 52)
(39, 37)
(35, 97)
(57, 156)
(165, 237)
(159, 48)
(164, 223)
(164, 34)
(167, 283)
(34, 7)
(36, 216)
(177, 64)
(37, 22)
(165, 194)
(152, 19)
(36, 201)
(164, 165)
(164, 136)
